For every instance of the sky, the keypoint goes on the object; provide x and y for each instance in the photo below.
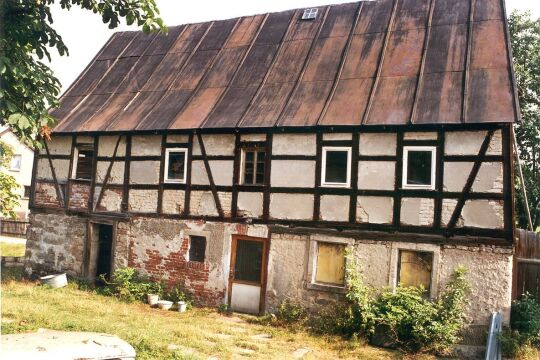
(84, 33)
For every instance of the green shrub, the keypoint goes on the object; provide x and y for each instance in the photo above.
(290, 312)
(127, 285)
(525, 323)
(225, 309)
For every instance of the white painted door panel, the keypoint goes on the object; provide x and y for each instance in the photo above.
(245, 298)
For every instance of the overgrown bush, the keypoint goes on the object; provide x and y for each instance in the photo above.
(127, 285)
(525, 323)
(290, 312)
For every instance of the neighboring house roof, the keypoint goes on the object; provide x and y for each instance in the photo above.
(381, 62)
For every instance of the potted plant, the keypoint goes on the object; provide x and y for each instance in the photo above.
(152, 299)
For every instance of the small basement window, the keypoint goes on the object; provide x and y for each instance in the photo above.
(419, 167)
(253, 161)
(415, 269)
(330, 264)
(27, 190)
(84, 159)
(176, 165)
(336, 167)
(197, 248)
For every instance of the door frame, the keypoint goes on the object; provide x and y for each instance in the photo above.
(264, 266)
(88, 249)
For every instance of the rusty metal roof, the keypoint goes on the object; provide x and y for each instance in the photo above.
(384, 62)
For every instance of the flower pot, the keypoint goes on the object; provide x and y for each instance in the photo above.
(164, 304)
(182, 306)
(152, 299)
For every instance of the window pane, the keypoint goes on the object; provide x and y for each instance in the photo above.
(197, 248)
(84, 163)
(27, 191)
(419, 167)
(330, 263)
(415, 268)
(176, 165)
(248, 263)
(16, 162)
(253, 166)
(336, 166)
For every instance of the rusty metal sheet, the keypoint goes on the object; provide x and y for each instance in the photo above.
(440, 98)
(163, 42)
(306, 104)
(255, 65)
(266, 108)
(326, 58)
(488, 10)
(404, 53)
(411, 14)
(363, 56)
(87, 83)
(67, 104)
(488, 45)
(375, 17)
(115, 76)
(109, 110)
(490, 96)
(301, 30)
(165, 72)
(140, 73)
(139, 45)
(339, 20)
(194, 70)
(117, 45)
(223, 70)
(217, 35)
(230, 109)
(274, 28)
(289, 61)
(245, 31)
(446, 48)
(164, 112)
(393, 101)
(136, 110)
(348, 103)
(197, 109)
(187, 41)
(450, 12)
(88, 107)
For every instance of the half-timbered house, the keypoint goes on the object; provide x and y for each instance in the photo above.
(240, 157)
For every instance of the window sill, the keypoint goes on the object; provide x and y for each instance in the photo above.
(421, 187)
(167, 181)
(329, 288)
(15, 170)
(80, 180)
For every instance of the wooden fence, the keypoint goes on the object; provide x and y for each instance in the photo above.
(527, 264)
(13, 227)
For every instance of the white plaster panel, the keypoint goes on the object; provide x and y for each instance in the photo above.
(291, 206)
(222, 171)
(144, 172)
(334, 208)
(463, 142)
(495, 145)
(146, 145)
(292, 173)
(85, 139)
(61, 167)
(143, 200)
(250, 204)
(488, 179)
(117, 172)
(417, 211)
(420, 135)
(111, 201)
(378, 144)
(108, 143)
(487, 214)
(59, 145)
(376, 175)
(173, 201)
(253, 137)
(198, 173)
(374, 209)
(215, 144)
(177, 138)
(294, 144)
(337, 136)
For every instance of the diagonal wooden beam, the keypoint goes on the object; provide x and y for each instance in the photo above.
(470, 180)
(107, 175)
(53, 172)
(210, 177)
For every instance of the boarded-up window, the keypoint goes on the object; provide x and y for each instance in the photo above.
(415, 269)
(197, 248)
(253, 166)
(330, 263)
(84, 161)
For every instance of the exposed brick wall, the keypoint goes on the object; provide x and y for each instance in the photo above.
(79, 195)
(46, 195)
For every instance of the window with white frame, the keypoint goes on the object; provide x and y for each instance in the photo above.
(336, 167)
(176, 165)
(419, 167)
(16, 161)
(253, 163)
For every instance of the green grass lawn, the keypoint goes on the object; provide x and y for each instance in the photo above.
(157, 334)
(8, 249)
